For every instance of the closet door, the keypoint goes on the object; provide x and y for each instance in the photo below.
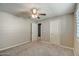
(45, 31)
(55, 28)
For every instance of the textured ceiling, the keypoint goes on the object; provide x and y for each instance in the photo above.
(51, 9)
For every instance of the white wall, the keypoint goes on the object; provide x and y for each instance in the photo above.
(67, 30)
(13, 30)
(59, 30)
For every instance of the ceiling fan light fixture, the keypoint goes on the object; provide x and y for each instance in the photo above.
(34, 16)
(34, 11)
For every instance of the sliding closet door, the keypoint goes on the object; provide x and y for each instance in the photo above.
(45, 31)
(55, 29)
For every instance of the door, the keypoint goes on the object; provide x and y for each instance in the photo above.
(45, 31)
(34, 31)
(55, 28)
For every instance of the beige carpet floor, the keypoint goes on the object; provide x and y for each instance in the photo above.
(37, 49)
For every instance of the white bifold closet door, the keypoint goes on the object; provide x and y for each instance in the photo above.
(45, 31)
(34, 31)
(55, 29)
(50, 31)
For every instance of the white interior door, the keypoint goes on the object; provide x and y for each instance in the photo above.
(34, 31)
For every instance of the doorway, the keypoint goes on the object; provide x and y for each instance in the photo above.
(39, 31)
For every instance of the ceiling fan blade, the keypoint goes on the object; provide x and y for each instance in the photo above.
(38, 17)
(42, 14)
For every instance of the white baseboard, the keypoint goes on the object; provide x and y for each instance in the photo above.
(13, 46)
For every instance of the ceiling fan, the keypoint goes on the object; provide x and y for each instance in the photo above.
(33, 13)
(36, 14)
